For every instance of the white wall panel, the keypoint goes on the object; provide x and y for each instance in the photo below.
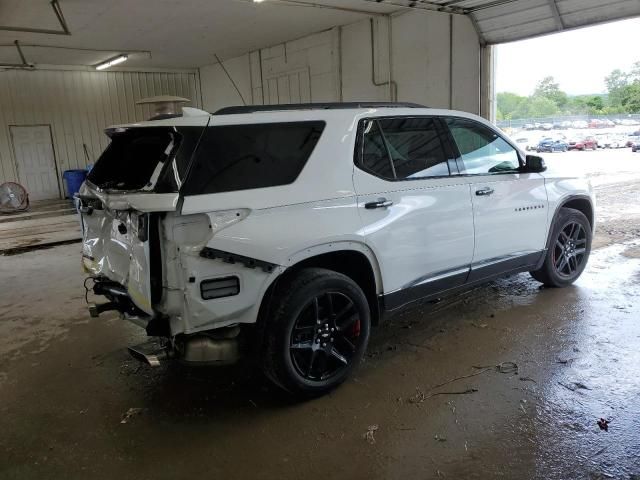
(465, 68)
(218, 88)
(79, 105)
(421, 58)
(434, 57)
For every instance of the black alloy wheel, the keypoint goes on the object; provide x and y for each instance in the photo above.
(316, 332)
(325, 337)
(569, 251)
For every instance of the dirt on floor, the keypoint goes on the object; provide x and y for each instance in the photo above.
(509, 380)
(618, 213)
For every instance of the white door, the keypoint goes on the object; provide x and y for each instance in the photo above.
(416, 217)
(510, 207)
(35, 161)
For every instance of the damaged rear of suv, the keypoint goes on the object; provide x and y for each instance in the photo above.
(154, 209)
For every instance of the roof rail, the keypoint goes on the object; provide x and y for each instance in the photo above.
(313, 106)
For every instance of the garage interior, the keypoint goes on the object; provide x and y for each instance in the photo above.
(75, 405)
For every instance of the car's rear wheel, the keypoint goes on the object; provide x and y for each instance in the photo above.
(317, 333)
(568, 250)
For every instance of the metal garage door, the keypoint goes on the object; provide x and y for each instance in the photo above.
(35, 161)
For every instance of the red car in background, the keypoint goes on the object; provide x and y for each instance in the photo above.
(587, 143)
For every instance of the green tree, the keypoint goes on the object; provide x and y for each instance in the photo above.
(509, 104)
(616, 81)
(595, 104)
(630, 97)
(542, 107)
(548, 88)
(577, 105)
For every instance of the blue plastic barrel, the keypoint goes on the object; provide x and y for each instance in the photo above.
(74, 179)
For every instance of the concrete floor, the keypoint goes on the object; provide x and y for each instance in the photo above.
(45, 223)
(66, 382)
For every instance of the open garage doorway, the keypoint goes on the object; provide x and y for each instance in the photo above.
(574, 99)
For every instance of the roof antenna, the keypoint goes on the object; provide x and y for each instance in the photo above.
(230, 79)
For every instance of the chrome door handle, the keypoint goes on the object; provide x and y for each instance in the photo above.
(380, 203)
(484, 192)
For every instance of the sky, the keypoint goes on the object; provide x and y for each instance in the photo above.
(578, 60)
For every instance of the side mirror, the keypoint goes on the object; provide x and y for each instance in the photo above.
(534, 164)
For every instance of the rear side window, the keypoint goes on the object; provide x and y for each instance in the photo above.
(242, 157)
(404, 148)
(481, 149)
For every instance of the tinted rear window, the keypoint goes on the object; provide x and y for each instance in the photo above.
(133, 156)
(242, 157)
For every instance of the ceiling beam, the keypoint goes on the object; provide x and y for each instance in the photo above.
(421, 5)
(495, 3)
(64, 30)
(479, 32)
(319, 4)
(556, 14)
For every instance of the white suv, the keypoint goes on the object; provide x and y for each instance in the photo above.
(286, 232)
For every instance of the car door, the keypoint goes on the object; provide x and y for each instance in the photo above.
(416, 217)
(509, 206)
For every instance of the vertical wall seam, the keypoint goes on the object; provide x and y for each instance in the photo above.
(450, 61)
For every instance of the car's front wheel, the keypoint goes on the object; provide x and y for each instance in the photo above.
(568, 249)
(317, 332)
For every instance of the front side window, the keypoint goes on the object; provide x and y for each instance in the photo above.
(404, 148)
(482, 150)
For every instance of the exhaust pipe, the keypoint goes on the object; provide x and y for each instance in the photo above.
(150, 353)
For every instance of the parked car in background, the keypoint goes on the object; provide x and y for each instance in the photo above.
(552, 145)
(631, 140)
(586, 143)
(523, 142)
(547, 126)
(635, 146)
(610, 142)
(532, 145)
(579, 124)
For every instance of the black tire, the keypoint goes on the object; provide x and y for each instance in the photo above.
(568, 249)
(316, 357)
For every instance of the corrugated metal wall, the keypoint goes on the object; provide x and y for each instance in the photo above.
(79, 105)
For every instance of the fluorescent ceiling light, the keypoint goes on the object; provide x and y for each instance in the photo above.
(111, 62)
